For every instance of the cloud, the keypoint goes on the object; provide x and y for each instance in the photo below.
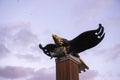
(15, 31)
(29, 57)
(3, 78)
(24, 37)
(87, 13)
(111, 53)
(81, 8)
(109, 76)
(3, 51)
(88, 75)
(16, 37)
(8, 30)
(12, 72)
(43, 74)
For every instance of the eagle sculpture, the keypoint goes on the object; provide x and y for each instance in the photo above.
(82, 42)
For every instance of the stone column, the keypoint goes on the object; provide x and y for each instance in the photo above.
(69, 67)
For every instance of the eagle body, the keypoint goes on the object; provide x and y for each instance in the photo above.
(82, 42)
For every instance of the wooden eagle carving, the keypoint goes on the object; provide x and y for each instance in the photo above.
(82, 42)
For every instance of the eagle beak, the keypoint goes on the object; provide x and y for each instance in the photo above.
(57, 40)
(54, 37)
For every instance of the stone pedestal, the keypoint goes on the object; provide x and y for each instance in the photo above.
(69, 67)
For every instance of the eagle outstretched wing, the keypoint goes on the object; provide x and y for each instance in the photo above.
(86, 40)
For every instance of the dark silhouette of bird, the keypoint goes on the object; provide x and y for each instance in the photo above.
(82, 42)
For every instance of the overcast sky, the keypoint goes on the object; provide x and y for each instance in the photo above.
(26, 23)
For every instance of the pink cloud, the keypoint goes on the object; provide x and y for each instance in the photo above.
(3, 51)
(29, 57)
(12, 72)
(112, 53)
(88, 75)
(13, 37)
(43, 74)
(17, 32)
(25, 37)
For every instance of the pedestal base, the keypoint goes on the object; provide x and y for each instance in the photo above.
(69, 67)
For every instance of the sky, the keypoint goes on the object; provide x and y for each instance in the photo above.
(24, 24)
